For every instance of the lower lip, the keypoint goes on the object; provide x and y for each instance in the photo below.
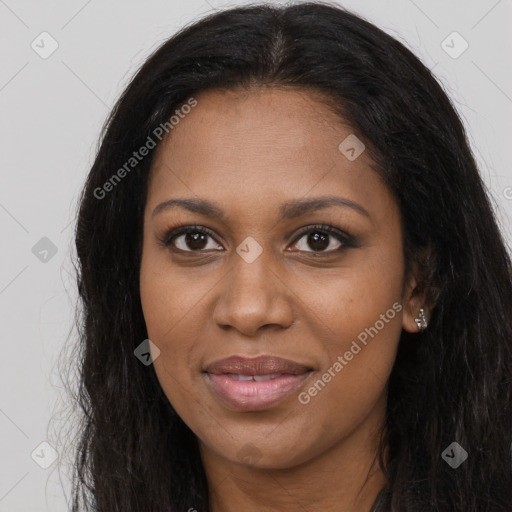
(252, 395)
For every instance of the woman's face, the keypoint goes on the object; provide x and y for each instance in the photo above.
(261, 283)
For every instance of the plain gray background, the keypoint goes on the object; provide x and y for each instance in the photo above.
(52, 110)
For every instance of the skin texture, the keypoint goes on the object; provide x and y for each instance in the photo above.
(249, 152)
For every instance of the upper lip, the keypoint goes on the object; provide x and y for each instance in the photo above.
(262, 365)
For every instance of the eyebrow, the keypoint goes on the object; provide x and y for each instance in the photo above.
(288, 210)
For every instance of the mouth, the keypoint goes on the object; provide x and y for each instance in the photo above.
(255, 384)
(254, 392)
(262, 365)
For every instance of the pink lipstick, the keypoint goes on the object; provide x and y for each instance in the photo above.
(257, 383)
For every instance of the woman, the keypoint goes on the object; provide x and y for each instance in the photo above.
(295, 293)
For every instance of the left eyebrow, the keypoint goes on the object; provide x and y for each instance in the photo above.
(299, 207)
(288, 210)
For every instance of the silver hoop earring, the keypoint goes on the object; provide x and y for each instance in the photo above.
(421, 321)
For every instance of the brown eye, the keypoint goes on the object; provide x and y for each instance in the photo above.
(192, 239)
(322, 239)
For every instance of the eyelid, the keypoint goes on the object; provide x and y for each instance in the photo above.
(344, 238)
(172, 233)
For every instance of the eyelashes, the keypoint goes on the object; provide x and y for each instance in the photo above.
(172, 235)
(322, 233)
(344, 239)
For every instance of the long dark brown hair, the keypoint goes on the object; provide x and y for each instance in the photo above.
(450, 383)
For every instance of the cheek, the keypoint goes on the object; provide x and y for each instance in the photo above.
(356, 363)
(165, 313)
(173, 309)
(352, 298)
(360, 315)
(168, 297)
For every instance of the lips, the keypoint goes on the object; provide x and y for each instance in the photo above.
(255, 384)
(262, 365)
(256, 378)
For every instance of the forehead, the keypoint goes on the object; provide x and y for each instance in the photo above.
(256, 148)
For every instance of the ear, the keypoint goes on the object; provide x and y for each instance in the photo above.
(418, 291)
(412, 302)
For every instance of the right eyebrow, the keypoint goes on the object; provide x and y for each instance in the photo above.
(201, 206)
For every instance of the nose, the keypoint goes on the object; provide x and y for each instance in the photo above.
(253, 296)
